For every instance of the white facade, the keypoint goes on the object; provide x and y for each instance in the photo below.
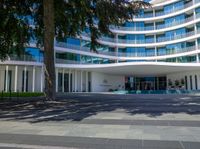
(102, 82)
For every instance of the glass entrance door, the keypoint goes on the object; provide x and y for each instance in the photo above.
(145, 83)
(65, 81)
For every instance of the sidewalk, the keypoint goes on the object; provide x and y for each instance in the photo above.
(154, 131)
(117, 128)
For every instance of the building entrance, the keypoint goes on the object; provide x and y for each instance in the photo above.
(148, 85)
(145, 83)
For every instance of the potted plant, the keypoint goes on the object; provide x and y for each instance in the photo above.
(182, 83)
(169, 83)
(177, 83)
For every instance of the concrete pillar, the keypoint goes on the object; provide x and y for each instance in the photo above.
(33, 81)
(57, 80)
(86, 81)
(154, 24)
(75, 80)
(195, 25)
(42, 78)
(155, 54)
(197, 48)
(81, 81)
(6, 79)
(197, 57)
(16, 75)
(198, 81)
(63, 74)
(155, 38)
(69, 82)
(73, 84)
(25, 70)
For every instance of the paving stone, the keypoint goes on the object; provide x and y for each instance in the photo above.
(191, 145)
(162, 144)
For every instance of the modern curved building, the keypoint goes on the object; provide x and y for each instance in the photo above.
(157, 50)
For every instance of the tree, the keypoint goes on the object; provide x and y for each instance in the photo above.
(60, 19)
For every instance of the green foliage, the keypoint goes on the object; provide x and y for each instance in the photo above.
(71, 18)
(182, 82)
(14, 29)
(177, 82)
(21, 94)
(169, 82)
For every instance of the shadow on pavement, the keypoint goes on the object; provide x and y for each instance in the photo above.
(76, 107)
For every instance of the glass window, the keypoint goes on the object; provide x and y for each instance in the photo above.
(196, 83)
(186, 83)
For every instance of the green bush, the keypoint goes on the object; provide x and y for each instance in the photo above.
(21, 94)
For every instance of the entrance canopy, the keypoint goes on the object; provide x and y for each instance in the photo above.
(136, 68)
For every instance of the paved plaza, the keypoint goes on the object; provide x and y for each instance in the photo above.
(102, 121)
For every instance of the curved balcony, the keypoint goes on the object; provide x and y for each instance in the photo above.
(144, 43)
(127, 56)
(73, 63)
(177, 22)
(173, 12)
(158, 28)
(107, 57)
(26, 58)
(174, 9)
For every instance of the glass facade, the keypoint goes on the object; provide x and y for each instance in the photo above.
(142, 37)
(145, 83)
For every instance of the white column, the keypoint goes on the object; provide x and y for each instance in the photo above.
(63, 74)
(195, 25)
(75, 80)
(197, 48)
(25, 69)
(33, 81)
(154, 13)
(198, 81)
(154, 25)
(73, 76)
(57, 80)
(42, 78)
(154, 38)
(16, 73)
(156, 53)
(196, 41)
(69, 82)
(196, 44)
(6, 79)
(197, 57)
(86, 81)
(81, 81)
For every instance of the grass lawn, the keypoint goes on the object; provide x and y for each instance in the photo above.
(12, 94)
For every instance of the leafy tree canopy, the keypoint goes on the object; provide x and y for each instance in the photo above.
(71, 18)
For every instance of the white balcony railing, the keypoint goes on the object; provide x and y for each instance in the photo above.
(162, 13)
(125, 54)
(157, 27)
(159, 40)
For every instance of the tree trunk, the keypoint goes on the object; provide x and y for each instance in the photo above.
(49, 64)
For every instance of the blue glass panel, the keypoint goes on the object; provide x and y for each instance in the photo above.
(74, 41)
(174, 6)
